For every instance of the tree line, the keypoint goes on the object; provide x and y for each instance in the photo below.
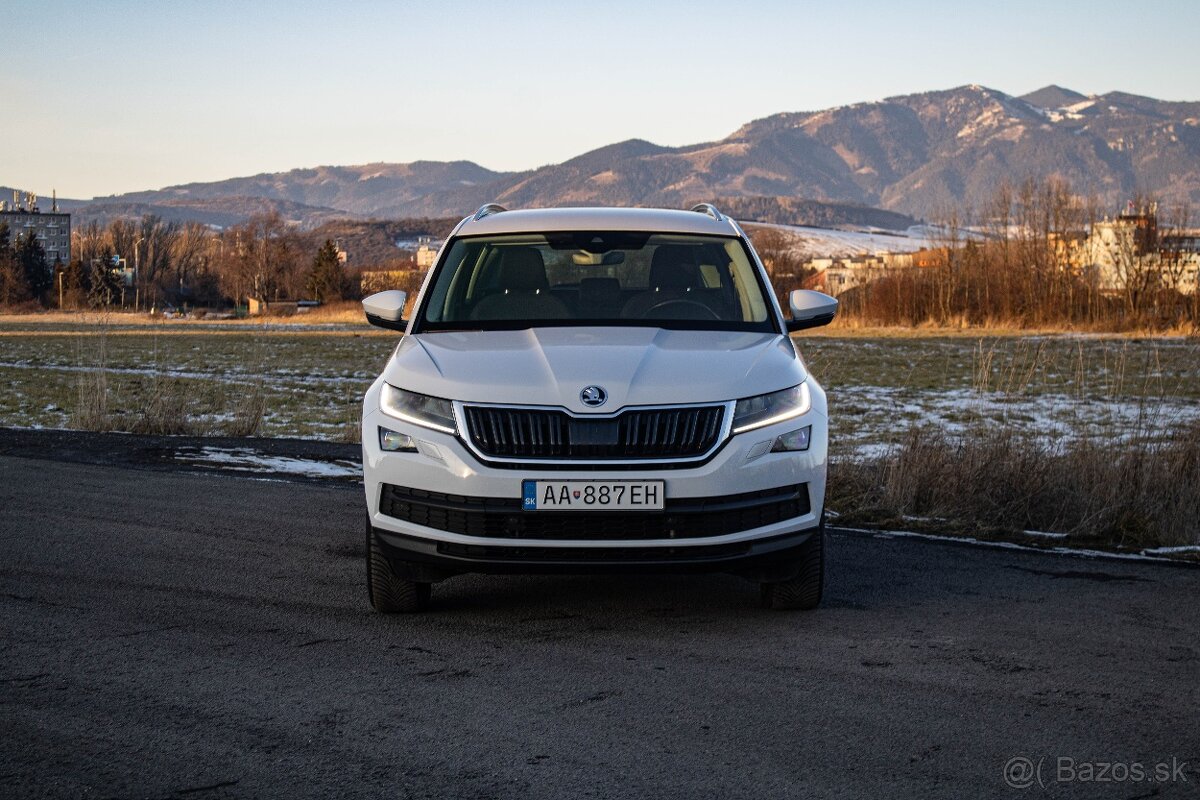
(153, 262)
(1024, 260)
(1030, 258)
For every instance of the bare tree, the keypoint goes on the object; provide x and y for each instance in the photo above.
(190, 262)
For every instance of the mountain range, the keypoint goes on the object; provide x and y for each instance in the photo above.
(919, 155)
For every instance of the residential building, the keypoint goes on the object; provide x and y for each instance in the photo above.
(24, 218)
(1132, 251)
(427, 250)
(835, 275)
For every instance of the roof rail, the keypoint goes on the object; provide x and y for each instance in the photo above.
(487, 209)
(710, 209)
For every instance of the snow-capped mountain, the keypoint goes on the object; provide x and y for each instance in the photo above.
(920, 154)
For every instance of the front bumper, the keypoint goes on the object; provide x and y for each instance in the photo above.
(419, 559)
(444, 466)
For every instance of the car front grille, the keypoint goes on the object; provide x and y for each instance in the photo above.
(544, 433)
(681, 518)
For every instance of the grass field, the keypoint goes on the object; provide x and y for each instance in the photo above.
(1095, 437)
(309, 378)
(1052, 386)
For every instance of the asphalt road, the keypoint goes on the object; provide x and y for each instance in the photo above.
(167, 634)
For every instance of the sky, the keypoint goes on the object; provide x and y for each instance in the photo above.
(99, 98)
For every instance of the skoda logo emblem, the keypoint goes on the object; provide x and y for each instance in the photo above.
(593, 396)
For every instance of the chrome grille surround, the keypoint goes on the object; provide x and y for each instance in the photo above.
(548, 443)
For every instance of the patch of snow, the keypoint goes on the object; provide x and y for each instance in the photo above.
(912, 518)
(813, 241)
(880, 412)
(233, 375)
(244, 460)
(872, 451)
(1058, 551)
(412, 244)
(1045, 535)
(1082, 105)
(1186, 548)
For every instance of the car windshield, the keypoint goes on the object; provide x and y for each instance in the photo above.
(596, 278)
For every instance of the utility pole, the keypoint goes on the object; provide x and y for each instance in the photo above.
(60, 274)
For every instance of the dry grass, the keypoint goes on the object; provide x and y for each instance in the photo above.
(91, 402)
(348, 312)
(165, 411)
(91, 411)
(351, 430)
(167, 406)
(248, 413)
(849, 325)
(343, 312)
(1134, 491)
(1133, 481)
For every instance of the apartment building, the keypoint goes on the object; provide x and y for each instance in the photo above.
(53, 229)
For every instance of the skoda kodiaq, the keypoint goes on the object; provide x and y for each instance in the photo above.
(587, 390)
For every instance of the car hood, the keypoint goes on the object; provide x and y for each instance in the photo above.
(635, 366)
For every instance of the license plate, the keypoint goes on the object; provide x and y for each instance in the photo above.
(592, 495)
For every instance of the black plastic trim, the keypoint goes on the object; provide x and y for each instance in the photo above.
(794, 325)
(392, 325)
(501, 518)
(770, 559)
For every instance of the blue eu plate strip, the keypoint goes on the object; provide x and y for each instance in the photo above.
(529, 492)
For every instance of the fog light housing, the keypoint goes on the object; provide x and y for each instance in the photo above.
(395, 442)
(796, 441)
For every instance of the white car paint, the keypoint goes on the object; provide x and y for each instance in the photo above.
(637, 366)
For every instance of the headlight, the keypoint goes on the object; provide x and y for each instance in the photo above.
(419, 409)
(767, 409)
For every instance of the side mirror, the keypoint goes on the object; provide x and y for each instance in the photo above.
(810, 309)
(386, 309)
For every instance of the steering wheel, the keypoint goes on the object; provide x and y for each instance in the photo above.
(681, 313)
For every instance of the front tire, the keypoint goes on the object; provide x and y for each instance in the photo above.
(803, 591)
(389, 593)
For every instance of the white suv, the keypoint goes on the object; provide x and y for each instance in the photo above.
(586, 389)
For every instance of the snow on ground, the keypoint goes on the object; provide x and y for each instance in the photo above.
(224, 374)
(866, 420)
(1046, 535)
(824, 242)
(817, 242)
(1155, 554)
(244, 460)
